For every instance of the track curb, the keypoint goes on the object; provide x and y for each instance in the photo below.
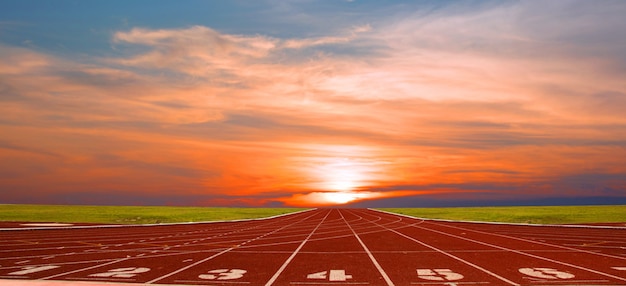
(148, 225)
(505, 223)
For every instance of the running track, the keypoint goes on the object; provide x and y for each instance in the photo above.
(316, 247)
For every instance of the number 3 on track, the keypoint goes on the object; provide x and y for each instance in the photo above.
(223, 274)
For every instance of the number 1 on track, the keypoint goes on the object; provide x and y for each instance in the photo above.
(33, 269)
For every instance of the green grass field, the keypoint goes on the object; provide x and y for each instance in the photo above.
(142, 215)
(537, 215)
(131, 214)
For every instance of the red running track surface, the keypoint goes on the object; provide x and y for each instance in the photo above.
(316, 247)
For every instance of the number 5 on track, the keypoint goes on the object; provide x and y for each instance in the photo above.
(546, 273)
(438, 274)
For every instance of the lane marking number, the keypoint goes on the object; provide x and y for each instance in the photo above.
(438, 274)
(546, 273)
(33, 269)
(334, 275)
(223, 274)
(127, 272)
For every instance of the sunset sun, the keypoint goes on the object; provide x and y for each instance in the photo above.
(340, 168)
(341, 197)
(343, 174)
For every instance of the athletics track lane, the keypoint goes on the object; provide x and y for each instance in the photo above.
(136, 254)
(513, 260)
(320, 247)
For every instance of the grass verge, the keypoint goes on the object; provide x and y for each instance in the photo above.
(131, 214)
(534, 214)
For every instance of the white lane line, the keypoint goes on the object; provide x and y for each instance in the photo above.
(156, 224)
(449, 283)
(514, 250)
(83, 269)
(451, 256)
(524, 253)
(329, 283)
(220, 253)
(170, 241)
(282, 267)
(369, 253)
(565, 226)
(533, 241)
(189, 266)
(202, 282)
(111, 262)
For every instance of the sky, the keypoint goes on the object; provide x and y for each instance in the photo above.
(299, 103)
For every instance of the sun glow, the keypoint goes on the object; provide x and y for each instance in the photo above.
(341, 168)
(342, 174)
(331, 198)
(338, 174)
(341, 197)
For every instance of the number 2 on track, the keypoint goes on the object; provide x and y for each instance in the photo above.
(127, 272)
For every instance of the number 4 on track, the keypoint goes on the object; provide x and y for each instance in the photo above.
(335, 275)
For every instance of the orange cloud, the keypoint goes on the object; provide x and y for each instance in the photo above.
(423, 107)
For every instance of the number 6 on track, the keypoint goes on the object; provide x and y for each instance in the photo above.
(546, 273)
